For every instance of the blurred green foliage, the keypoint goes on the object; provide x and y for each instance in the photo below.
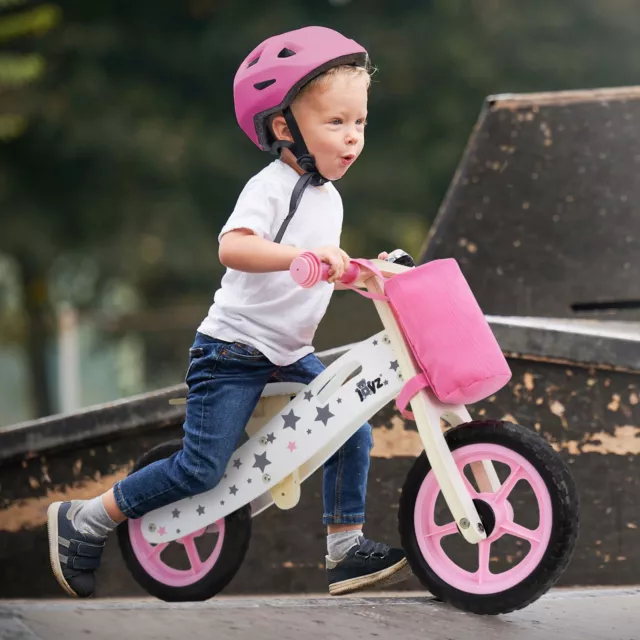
(128, 158)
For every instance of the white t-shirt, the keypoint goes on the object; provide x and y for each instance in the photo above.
(269, 311)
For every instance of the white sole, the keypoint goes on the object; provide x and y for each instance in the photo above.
(52, 530)
(391, 575)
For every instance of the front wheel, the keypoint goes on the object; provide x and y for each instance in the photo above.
(194, 567)
(531, 520)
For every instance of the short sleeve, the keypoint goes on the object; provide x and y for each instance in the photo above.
(254, 210)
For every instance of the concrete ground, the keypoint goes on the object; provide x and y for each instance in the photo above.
(591, 614)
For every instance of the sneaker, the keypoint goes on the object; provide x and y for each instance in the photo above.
(366, 565)
(74, 556)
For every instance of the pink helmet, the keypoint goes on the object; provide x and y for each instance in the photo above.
(274, 72)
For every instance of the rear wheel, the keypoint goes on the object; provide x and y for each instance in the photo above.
(195, 567)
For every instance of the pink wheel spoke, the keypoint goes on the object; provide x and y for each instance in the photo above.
(506, 488)
(157, 550)
(521, 532)
(445, 530)
(469, 486)
(192, 553)
(484, 551)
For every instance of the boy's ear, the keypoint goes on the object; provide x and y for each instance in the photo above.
(280, 129)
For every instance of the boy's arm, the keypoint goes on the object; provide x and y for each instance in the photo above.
(243, 250)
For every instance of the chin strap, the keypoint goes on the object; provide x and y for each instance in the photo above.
(305, 161)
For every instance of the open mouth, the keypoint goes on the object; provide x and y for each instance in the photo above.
(347, 159)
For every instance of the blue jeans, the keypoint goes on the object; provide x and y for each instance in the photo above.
(225, 382)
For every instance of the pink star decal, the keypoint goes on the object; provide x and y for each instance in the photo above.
(292, 447)
(162, 531)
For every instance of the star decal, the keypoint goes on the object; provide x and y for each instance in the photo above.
(162, 531)
(308, 395)
(308, 431)
(385, 383)
(200, 509)
(177, 530)
(222, 502)
(375, 343)
(261, 461)
(233, 490)
(271, 438)
(225, 476)
(237, 463)
(324, 415)
(339, 400)
(394, 365)
(292, 447)
(248, 480)
(290, 420)
(175, 513)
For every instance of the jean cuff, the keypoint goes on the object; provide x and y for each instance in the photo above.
(343, 518)
(122, 503)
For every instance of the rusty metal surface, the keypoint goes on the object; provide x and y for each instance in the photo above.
(542, 212)
(565, 615)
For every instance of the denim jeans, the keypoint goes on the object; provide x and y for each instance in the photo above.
(225, 382)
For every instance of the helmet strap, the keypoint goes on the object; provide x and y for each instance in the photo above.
(299, 149)
(305, 161)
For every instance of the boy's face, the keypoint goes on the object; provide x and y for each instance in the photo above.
(332, 121)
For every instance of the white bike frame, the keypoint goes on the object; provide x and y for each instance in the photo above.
(295, 429)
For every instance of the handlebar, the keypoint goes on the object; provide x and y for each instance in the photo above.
(307, 270)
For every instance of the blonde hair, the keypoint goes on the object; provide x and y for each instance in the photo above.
(322, 81)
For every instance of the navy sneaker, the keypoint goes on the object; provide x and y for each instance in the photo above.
(366, 565)
(74, 556)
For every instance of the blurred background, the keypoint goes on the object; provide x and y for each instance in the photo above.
(120, 159)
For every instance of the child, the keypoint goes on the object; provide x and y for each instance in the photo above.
(312, 82)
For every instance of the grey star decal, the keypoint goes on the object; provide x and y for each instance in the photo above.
(309, 431)
(200, 509)
(308, 395)
(375, 343)
(339, 400)
(324, 415)
(233, 490)
(249, 481)
(271, 438)
(290, 420)
(175, 513)
(225, 476)
(386, 382)
(222, 502)
(177, 530)
(261, 461)
(394, 365)
(237, 463)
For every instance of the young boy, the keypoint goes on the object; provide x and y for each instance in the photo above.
(302, 95)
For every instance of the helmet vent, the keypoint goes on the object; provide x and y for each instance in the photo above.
(286, 53)
(254, 61)
(264, 84)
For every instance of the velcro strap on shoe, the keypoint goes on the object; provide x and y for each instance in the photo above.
(86, 549)
(83, 563)
(380, 550)
(366, 548)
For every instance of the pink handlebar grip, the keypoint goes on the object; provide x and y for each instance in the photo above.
(307, 270)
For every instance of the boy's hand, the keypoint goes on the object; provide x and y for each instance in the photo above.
(336, 258)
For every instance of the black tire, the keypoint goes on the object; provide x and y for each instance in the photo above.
(234, 547)
(564, 532)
